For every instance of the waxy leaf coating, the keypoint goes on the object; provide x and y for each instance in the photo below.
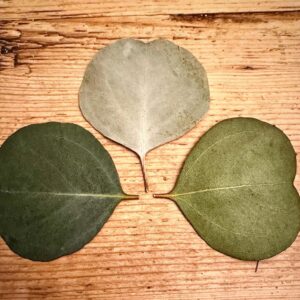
(58, 186)
(142, 95)
(236, 189)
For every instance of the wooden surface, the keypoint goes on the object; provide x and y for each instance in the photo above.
(147, 250)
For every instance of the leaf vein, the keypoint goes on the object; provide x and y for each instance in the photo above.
(205, 217)
(210, 147)
(86, 150)
(227, 188)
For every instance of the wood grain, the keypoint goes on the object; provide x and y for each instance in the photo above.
(147, 250)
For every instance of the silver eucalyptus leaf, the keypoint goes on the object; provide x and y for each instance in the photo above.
(143, 95)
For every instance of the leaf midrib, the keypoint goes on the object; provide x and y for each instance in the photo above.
(94, 195)
(226, 188)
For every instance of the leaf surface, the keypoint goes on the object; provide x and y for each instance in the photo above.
(142, 95)
(236, 189)
(58, 186)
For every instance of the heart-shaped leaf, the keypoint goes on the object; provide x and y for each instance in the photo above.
(142, 95)
(236, 189)
(58, 186)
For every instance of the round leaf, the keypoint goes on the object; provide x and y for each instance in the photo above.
(142, 95)
(58, 186)
(236, 189)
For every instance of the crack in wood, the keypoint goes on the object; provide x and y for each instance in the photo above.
(237, 17)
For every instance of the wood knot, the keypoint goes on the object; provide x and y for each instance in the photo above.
(9, 57)
(5, 49)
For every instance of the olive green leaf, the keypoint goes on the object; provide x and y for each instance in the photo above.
(142, 95)
(58, 186)
(236, 189)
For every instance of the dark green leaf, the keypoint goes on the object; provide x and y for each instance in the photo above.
(236, 189)
(58, 186)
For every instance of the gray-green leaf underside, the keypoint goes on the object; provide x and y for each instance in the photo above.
(142, 95)
(58, 186)
(236, 189)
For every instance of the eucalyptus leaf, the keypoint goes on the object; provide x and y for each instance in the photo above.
(236, 189)
(58, 186)
(142, 95)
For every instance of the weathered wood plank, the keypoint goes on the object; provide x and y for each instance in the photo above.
(148, 250)
(47, 9)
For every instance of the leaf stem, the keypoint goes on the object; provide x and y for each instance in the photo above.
(256, 268)
(163, 196)
(142, 160)
(130, 197)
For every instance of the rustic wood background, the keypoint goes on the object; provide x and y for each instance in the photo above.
(147, 250)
